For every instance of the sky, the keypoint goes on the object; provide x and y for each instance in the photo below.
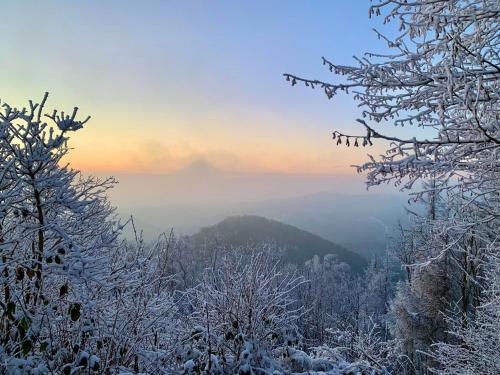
(174, 83)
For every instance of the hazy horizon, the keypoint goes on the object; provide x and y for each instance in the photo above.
(201, 195)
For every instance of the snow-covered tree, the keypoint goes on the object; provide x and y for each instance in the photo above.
(55, 225)
(443, 255)
(73, 296)
(442, 74)
(417, 313)
(332, 296)
(477, 345)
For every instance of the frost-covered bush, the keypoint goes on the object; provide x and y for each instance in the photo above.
(242, 313)
(135, 309)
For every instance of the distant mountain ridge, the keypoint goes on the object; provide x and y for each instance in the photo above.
(299, 244)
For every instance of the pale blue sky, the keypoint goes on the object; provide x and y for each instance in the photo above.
(169, 82)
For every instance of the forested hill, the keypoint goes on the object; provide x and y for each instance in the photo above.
(299, 244)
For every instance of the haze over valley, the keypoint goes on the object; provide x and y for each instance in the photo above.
(335, 207)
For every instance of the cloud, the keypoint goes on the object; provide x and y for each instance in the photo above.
(154, 155)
